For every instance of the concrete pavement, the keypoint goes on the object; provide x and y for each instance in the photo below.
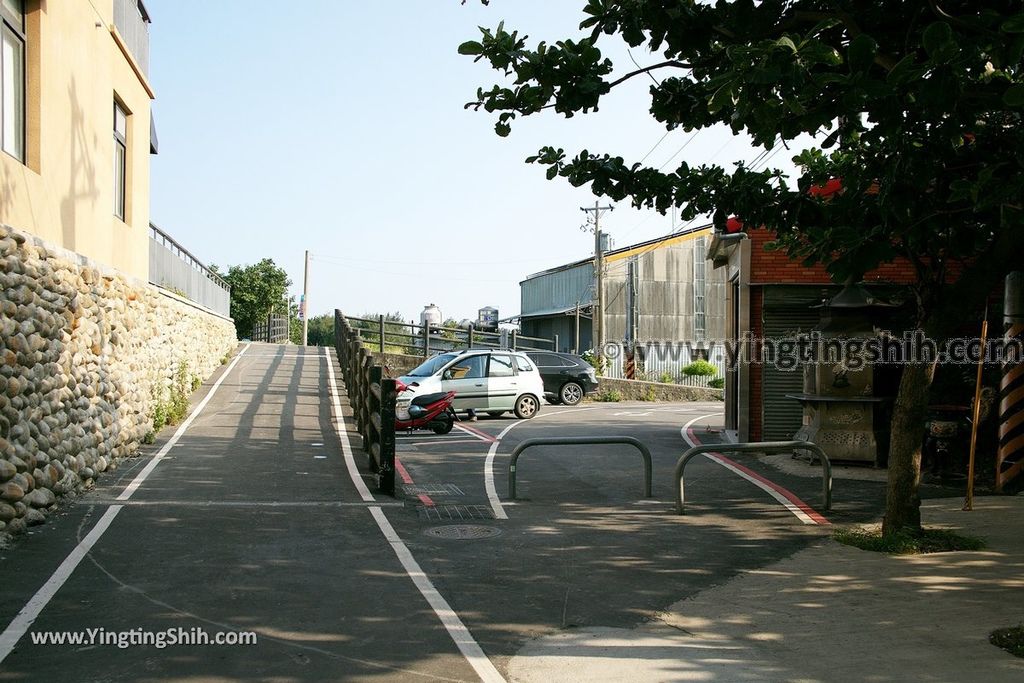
(828, 613)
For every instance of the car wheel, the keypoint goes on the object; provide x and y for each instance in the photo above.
(527, 406)
(571, 394)
(495, 413)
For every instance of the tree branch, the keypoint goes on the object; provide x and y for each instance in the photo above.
(672, 63)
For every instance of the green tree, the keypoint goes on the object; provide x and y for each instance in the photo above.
(922, 102)
(256, 291)
(394, 324)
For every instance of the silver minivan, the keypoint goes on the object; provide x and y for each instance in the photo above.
(493, 382)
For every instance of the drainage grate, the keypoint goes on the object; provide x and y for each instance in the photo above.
(463, 532)
(454, 512)
(433, 490)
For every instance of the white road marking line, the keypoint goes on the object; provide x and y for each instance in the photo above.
(464, 640)
(130, 490)
(473, 434)
(28, 614)
(492, 493)
(339, 427)
(439, 443)
(800, 514)
(461, 635)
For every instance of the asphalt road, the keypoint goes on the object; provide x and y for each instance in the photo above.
(251, 522)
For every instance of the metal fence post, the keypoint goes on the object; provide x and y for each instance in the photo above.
(381, 334)
(469, 337)
(513, 340)
(426, 340)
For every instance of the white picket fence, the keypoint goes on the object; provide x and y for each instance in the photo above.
(660, 360)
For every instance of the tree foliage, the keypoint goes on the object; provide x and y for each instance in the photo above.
(256, 291)
(916, 107)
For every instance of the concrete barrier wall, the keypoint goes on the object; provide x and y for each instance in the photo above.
(635, 390)
(86, 357)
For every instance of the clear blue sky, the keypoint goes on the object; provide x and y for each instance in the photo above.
(338, 127)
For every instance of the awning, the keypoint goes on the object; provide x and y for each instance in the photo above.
(584, 311)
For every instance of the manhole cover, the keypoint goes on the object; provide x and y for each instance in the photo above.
(463, 532)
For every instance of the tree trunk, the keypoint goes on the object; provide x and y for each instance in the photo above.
(903, 503)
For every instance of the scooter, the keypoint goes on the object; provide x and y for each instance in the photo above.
(429, 411)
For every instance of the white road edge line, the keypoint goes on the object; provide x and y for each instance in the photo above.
(30, 612)
(492, 493)
(800, 514)
(130, 490)
(463, 639)
(339, 427)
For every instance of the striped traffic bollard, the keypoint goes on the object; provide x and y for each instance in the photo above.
(1010, 457)
(630, 367)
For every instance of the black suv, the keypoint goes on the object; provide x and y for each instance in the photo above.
(567, 378)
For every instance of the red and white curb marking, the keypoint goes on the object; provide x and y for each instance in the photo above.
(804, 512)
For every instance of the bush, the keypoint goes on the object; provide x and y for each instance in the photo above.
(594, 360)
(666, 378)
(717, 383)
(700, 368)
(1009, 639)
(649, 395)
(608, 396)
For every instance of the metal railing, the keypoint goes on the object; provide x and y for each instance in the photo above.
(645, 454)
(173, 267)
(132, 22)
(372, 398)
(273, 330)
(423, 340)
(755, 447)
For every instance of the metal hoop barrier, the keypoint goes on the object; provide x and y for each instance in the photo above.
(756, 447)
(645, 454)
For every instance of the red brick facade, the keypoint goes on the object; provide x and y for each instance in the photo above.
(776, 268)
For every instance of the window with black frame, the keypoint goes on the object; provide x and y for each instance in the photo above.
(12, 78)
(120, 159)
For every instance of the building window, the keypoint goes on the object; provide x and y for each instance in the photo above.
(699, 289)
(12, 78)
(120, 159)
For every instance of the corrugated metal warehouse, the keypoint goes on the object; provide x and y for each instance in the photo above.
(659, 290)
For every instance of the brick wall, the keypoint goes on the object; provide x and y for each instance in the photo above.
(775, 267)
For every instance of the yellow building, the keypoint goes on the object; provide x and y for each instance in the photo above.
(75, 126)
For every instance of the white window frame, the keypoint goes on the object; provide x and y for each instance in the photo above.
(12, 91)
(699, 289)
(120, 161)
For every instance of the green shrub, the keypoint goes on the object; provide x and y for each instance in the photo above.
(700, 368)
(1010, 639)
(594, 360)
(608, 396)
(196, 383)
(666, 378)
(149, 438)
(649, 395)
(717, 383)
(159, 415)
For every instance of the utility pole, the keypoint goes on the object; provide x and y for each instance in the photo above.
(305, 302)
(598, 315)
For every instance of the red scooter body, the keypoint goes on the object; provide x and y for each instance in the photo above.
(429, 411)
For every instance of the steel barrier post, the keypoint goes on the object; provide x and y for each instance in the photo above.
(755, 447)
(645, 454)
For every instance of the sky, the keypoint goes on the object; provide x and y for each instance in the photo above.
(340, 129)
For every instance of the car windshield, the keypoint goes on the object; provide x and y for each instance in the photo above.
(431, 366)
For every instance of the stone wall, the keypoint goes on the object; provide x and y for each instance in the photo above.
(86, 357)
(635, 390)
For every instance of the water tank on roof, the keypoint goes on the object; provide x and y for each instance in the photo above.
(431, 315)
(487, 317)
